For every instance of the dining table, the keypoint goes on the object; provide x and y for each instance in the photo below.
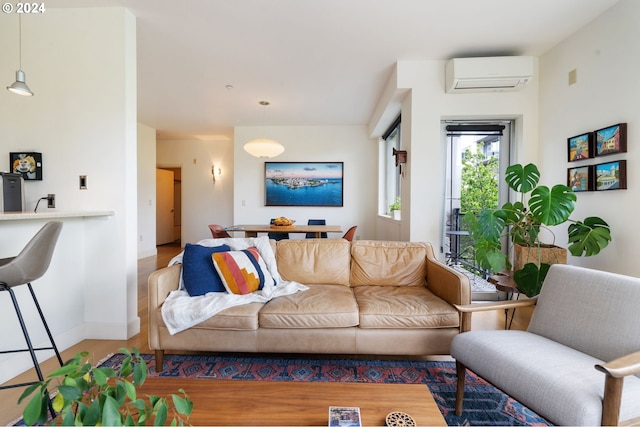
(252, 230)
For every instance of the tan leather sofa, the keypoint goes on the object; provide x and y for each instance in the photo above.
(364, 297)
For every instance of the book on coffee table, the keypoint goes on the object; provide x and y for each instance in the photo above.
(344, 416)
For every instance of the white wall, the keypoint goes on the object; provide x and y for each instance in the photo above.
(146, 191)
(417, 89)
(203, 202)
(348, 144)
(81, 65)
(606, 55)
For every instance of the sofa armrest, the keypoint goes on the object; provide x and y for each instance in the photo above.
(450, 285)
(447, 283)
(497, 305)
(160, 284)
(465, 310)
(615, 371)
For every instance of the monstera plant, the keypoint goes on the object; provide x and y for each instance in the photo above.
(95, 395)
(538, 207)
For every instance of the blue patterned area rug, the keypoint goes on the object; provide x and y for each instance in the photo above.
(483, 403)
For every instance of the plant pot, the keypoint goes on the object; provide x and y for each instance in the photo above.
(545, 254)
(396, 214)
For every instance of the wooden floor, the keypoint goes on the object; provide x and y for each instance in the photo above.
(99, 349)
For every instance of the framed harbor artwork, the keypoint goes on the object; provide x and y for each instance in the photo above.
(304, 183)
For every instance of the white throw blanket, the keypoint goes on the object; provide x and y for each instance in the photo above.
(181, 311)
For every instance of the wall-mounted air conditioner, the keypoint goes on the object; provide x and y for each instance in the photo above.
(492, 74)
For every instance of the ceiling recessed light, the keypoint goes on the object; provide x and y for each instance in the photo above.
(229, 87)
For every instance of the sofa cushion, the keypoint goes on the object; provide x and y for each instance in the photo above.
(321, 306)
(307, 261)
(381, 263)
(242, 272)
(239, 318)
(199, 274)
(403, 307)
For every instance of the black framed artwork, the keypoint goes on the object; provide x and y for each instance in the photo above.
(580, 147)
(611, 140)
(580, 178)
(304, 183)
(611, 176)
(29, 164)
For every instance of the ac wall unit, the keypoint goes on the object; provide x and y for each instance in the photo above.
(492, 74)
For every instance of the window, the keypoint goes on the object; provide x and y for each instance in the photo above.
(390, 182)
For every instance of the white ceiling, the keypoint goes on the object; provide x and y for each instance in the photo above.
(319, 62)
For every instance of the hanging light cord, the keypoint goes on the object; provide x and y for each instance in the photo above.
(20, 41)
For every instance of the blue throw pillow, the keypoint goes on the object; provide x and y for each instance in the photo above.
(198, 273)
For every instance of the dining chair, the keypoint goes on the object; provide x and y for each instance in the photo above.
(316, 222)
(350, 234)
(29, 265)
(277, 235)
(218, 231)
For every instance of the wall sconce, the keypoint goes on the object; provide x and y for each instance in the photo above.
(401, 158)
(215, 171)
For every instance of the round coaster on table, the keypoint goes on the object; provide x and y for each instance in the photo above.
(399, 419)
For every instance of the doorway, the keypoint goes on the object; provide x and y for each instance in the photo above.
(478, 153)
(169, 205)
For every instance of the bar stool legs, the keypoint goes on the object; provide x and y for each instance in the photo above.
(30, 348)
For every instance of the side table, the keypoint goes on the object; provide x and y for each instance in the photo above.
(504, 282)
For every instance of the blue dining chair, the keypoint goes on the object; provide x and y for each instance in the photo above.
(316, 222)
(277, 235)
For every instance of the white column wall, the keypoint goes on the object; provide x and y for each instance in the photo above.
(606, 56)
(81, 65)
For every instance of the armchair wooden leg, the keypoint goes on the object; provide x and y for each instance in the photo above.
(462, 372)
(611, 402)
(159, 360)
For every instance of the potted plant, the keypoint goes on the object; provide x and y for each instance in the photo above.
(537, 208)
(394, 208)
(90, 395)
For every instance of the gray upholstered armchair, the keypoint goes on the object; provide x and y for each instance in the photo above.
(585, 323)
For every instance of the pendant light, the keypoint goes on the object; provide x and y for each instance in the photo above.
(20, 86)
(263, 147)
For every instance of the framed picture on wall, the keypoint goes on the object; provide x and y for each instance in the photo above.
(611, 176)
(303, 184)
(28, 164)
(580, 147)
(611, 140)
(580, 178)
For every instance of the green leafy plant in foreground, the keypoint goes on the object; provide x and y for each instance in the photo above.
(90, 395)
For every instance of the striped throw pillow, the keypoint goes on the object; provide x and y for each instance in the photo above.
(242, 272)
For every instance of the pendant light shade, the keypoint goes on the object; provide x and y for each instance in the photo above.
(264, 147)
(20, 86)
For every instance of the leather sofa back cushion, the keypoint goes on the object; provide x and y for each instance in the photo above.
(382, 263)
(314, 260)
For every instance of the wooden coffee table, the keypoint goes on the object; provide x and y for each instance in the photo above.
(262, 403)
